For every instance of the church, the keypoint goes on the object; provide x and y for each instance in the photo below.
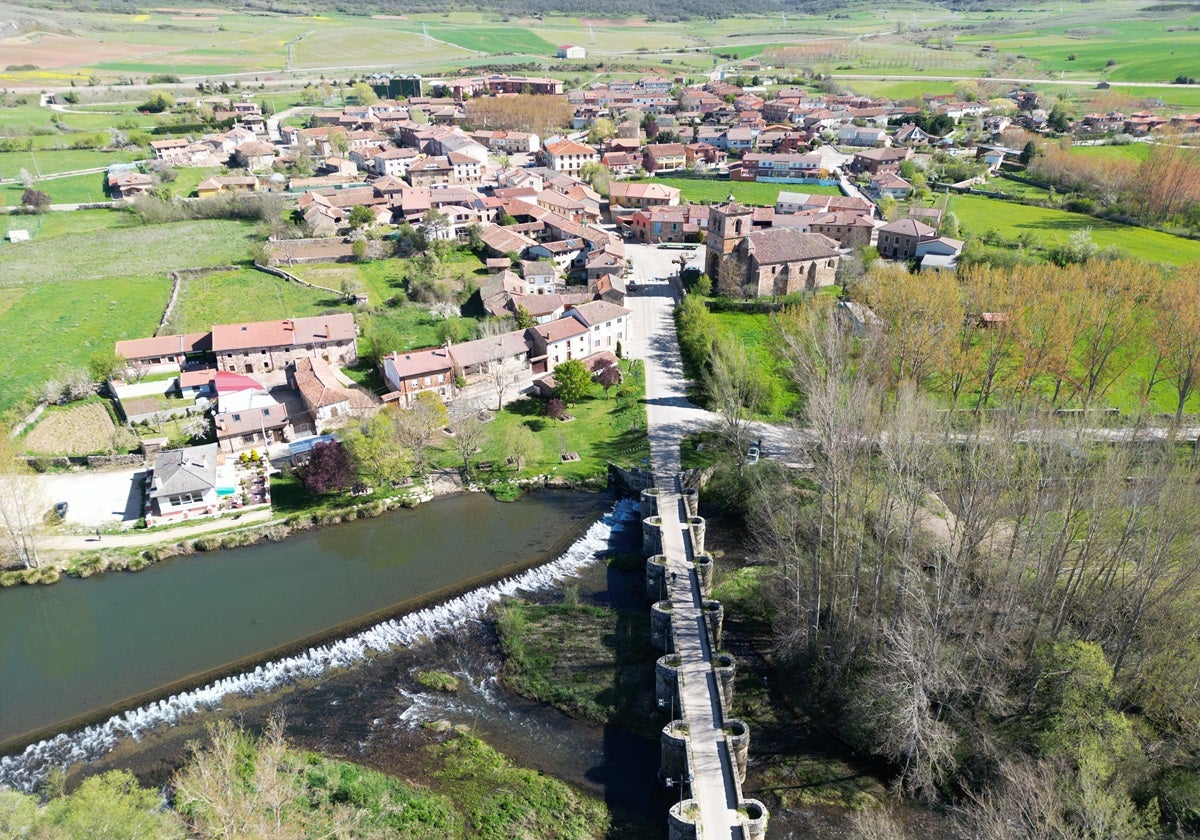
(745, 261)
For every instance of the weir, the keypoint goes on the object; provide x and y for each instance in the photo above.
(704, 749)
(27, 769)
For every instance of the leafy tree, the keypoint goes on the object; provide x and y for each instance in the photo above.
(339, 141)
(22, 503)
(602, 129)
(470, 434)
(525, 319)
(572, 381)
(454, 330)
(1029, 152)
(364, 94)
(106, 364)
(359, 250)
(373, 448)
(36, 199)
(609, 377)
(157, 103)
(328, 469)
(435, 224)
(360, 216)
(519, 443)
(735, 390)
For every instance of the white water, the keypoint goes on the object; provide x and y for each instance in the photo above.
(28, 769)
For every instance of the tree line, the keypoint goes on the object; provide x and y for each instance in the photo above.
(1007, 614)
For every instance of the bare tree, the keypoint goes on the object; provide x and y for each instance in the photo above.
(417, 427)
(22, 505)
(470, 433)
(735, 389)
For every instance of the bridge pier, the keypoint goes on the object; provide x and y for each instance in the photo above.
(703, 746)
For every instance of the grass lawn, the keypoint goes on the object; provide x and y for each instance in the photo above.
(753, 331)
(747, 192)
(96, 244)
(978, 214)
(494, 39)
(73, 189)
(48, 325)
(604, 429)
(50, 161)
(244, 295)
(1130, 151)
(187, 178)
(1016, 188)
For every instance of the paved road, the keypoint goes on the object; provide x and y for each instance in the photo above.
(141, 538)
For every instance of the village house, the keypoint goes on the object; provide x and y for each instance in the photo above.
(218, 184)
(171, 151)
(846, 227)
(569, 156)
(898, 240)
(636, 195)
(571, 51)
(183, 483)
(781, 168)
(409, 373)
(268, 346)
(326, 402)
(164, 353)
(664, 157)
(680, 223)
(875, 161)
(129, 183)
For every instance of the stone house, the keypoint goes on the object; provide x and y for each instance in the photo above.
(267, 346)
(409, 373)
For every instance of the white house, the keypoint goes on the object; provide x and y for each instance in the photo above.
(569, 156)
(571, 51)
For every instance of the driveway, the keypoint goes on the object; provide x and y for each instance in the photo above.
(96, 499)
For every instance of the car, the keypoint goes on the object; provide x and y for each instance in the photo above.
(752, 454)
(632, 287)
(60, 510)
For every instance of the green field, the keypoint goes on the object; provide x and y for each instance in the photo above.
(1086, 44)
(1016, 188)
(747, 192)
(73, 189)
(40, 163)
(494, 39)
(1131, 151)
(977, 214)
(50, 325)
(245, 294)
(96, 244)
(899, 90)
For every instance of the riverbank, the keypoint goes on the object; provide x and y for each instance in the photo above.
(268, 596)
(85, 556)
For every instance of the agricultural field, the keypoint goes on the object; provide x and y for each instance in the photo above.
(98, 244)
(977, 214)
(244, 295)
(79, 429)
(747, 192)
(51, 161)
(72, 189)
(61, 324)
(495, 39)
(1131, 151)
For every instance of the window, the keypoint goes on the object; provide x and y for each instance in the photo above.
(266, 412)
(237, 418)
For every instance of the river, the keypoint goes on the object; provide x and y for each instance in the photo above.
(182, 636)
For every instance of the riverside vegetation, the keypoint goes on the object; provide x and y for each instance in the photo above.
(242, 785)
(1000, 605)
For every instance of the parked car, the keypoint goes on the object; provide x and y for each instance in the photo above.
(60, 510)
(632, 287)
(752, 454)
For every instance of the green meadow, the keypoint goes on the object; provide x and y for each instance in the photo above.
(978, 214)
(61, 324)
(713, 191)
